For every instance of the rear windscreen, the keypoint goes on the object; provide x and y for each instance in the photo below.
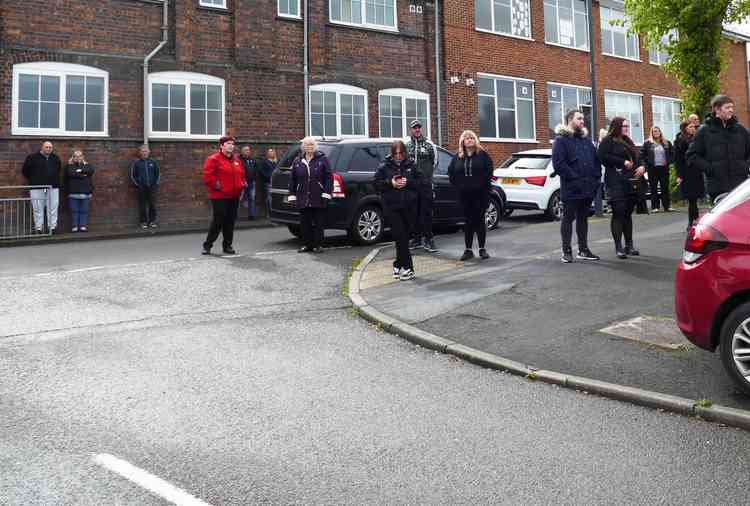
(294, 152)
(529, 163)
(738, 196)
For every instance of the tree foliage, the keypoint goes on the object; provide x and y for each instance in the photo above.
(690, 32)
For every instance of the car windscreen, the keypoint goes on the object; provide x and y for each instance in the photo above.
(294, 151)
(526, 163)
(738, 196)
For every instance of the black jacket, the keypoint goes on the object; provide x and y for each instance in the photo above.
(471, 173)
(647, 154)
(145, 173)
(722, 153)
(78, 178)
(266, 170)
(613, 155)
(251, 169)
(395, 199)
(692, 186)
(43, 171)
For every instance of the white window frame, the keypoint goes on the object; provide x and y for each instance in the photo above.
(661, 55)
(578, 99)
(515, 80)
(208, 3)
(504, 34)
(286, 15)
(185, 79)
(60, 70)
(341, 89)
(638, 142)
(364, 23)
(557, 19)
(622, 29)
(404, 94)
(654, 99)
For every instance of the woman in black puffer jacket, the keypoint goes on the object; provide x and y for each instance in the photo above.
(397, 181)
(689, 179)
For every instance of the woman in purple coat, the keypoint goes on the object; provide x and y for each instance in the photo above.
(310, 187)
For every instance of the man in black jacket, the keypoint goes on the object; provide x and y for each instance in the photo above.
(423, 155)
(44, 169)
(251, 172)
(721, 148)
(145, 174)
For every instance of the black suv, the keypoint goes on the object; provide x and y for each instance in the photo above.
(355, 206)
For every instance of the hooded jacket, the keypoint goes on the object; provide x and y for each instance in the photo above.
(722, 152)
(692, 180)
(471, 173)
(311, 183)
(577, 163)
(395, 199)
(613, 155)
(230, 174)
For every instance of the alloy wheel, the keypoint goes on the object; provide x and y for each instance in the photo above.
(741, 348)
(369, 225)
(492, 215)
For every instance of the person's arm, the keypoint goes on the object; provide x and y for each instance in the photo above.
(210, 174)
(293, 183)
(452, 171)
(490, 169)
(597, 162)
(157, 168)
(560, 160)
(26, 169)
(679, 159)
(696, 153)
(415, 181)
(644, 154)
(132, 172)
(88, 170)
(327, 179)
(379, 180)
(607, 157)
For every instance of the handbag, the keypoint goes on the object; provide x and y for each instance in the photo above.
(634, 186)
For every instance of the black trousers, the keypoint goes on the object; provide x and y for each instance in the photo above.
(147, 204)
(225, 214)
(312, 221)
(475, 206)
(424, 212)
(658, 181)
(622, 220)
(693, 211)
(575, 210)
(402, 222)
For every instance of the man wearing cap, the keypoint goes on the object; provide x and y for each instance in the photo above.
(224, 176)
(424, 156)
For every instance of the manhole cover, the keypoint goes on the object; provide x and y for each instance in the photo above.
(660, 332)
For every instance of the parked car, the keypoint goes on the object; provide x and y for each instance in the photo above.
(355, 206)
(712, 285)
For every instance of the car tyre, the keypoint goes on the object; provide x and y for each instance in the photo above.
(554, 207)
(367, 226)
(494, 213)
(295, 230)
(735, 335)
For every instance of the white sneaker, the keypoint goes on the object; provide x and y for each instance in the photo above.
(406, 274)
(74, 229)
(397, 273)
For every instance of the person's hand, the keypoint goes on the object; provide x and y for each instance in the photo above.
(398, 183)
(640, 171)
(217, 186)
(679, 180)
(628, 164)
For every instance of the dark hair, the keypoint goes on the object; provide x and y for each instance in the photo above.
(720, 100)
(570, 114)
(683, 127)
(615, 133)
(398, 146)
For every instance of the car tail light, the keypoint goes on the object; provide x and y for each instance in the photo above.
(338, 187)
(702, 240)
(494, 179)
(536, 180)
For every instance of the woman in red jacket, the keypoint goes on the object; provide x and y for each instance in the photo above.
(224, 176)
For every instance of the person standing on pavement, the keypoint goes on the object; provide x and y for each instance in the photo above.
(599, 198)
(423, 155)
(310, 186)
(623, 171)
(721, 148)
(224, 176)
(657, 155)
(44, 168)
(398, 181)
(266, 171)
(577, 164)
(689, 180)
(146, 175)
(470, 171)
(251, 170)
(80, 187)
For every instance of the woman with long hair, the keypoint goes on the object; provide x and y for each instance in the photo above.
(80, 187)
(470, 171)
(397, 181)
(623, 169)
(689, 179)
(657, 154)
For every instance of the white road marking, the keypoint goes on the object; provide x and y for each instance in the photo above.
(146, 480)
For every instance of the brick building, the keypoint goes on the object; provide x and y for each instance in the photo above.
(75, 76)
(534, 64)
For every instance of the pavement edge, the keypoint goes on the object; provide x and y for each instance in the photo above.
(647, 398)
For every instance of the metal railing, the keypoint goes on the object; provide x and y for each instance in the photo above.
(17, 211)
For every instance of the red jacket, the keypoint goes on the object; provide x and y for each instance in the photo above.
(229, 172)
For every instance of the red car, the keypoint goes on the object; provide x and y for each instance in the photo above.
(712, 286)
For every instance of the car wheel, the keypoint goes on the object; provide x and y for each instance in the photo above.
(554, 207)
(295, 230)
(493, 215)
(735, 346)
(367, 226)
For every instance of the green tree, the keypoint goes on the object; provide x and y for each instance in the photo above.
(690, 32)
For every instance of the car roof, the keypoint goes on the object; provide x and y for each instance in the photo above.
(359, 140)
(535, 152)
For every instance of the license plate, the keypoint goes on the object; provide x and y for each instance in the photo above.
(511, 180)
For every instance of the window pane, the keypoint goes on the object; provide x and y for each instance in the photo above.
(74, 117)
(582, 31)
(486, 86)
(50, 89)
(370, 11)
(335, 13)
(422, 108)
(507, 127)
(177, 120)
(95, 118)
(385, 127)
(570, 99)
(550, 23)
(525, 119)
(346, 104)
(521, 18)
(359, 104)
(505, 94)
(524, 89)
(197, 97)
(50, 115)
(330, 102)
(347, 127)
(28, 114)
(396, 109)
(330, 125)
(95, 90)
(74, 89)
(487, 126)
(177, 96)
(483, 14)
(554, 93)
(316, 101)
(566, 26)
(633, 46)
(356, 11)
(316, 125)
(606, 41)
(502, 16)
(214, 123)
(619, 44)
(160, 120)
(555, 117)
(359, 125)
(390, 18)
(197, 122)
(214, 97)
(397, 128)
(160, 95)
(29, 87)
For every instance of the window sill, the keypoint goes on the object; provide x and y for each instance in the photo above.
(288, 17)
(626, 58)
(509, 141)
(55, 133)
(510, 35)
(163, 136)
(567, 47)
(216, 10)
(363, 26)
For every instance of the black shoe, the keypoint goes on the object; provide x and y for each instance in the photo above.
(206, 250)
(317, 249)
(483, 254)
(468, 255)
(415, 244)
(586, 254)
(630, 250)
(229, 251)
(429, 245)
(304, 249)
(567, 257)
(620, 253)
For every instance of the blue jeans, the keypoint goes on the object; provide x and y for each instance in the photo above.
(267, 193)
(79, 211)
(250, 197)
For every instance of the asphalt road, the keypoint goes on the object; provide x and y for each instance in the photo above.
(246, 380)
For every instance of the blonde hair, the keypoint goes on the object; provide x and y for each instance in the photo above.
(461, 149)
(602, 134)
(661, 135)
(72, 157)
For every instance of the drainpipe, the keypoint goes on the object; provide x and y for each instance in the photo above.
(594, 130)
(438, 75)
(306, 68)
(146, 94)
